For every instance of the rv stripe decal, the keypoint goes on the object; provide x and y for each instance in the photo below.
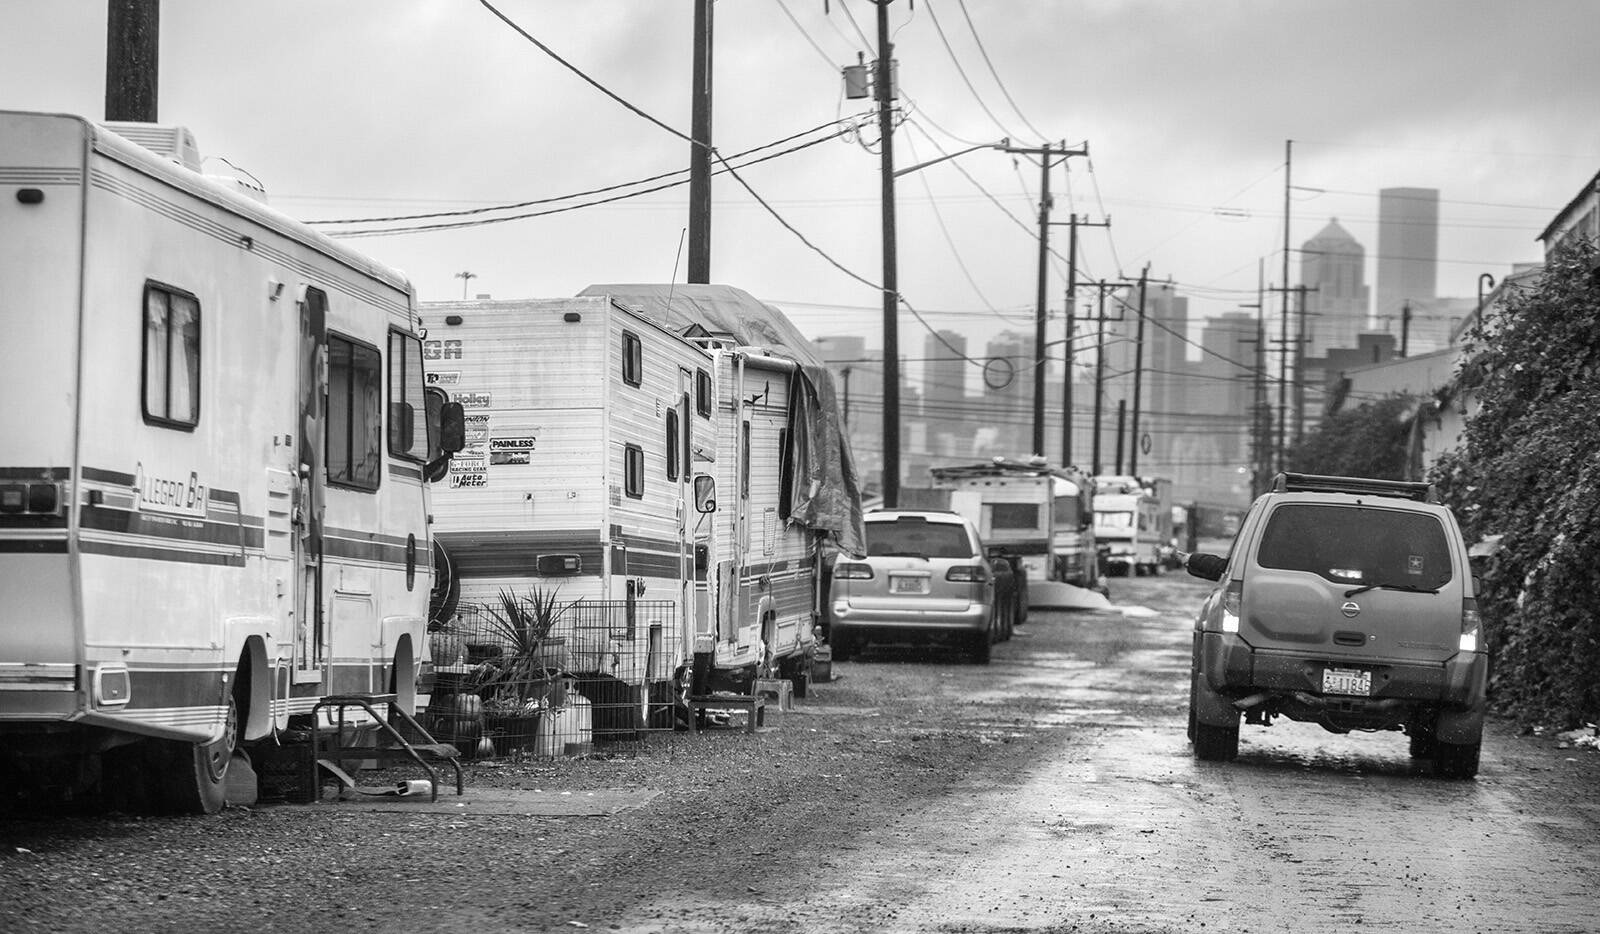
(176, 528)
(40, 175)
(115, 549)
(175, 212)
(404, 472)
(35, 546)
(35, 473)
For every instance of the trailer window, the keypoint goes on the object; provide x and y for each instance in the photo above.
(672, 445)
(408, 423)
(632, 359)
(355, 422)
(702, 393)
(1013, 517)
(1068, 513)
(171, 390)
(633, 470)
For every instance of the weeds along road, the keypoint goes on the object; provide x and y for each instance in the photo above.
(1052, 790)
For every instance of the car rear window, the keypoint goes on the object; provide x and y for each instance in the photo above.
(1357, 545)
(918, 537)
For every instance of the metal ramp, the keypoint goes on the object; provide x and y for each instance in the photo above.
(332, 750)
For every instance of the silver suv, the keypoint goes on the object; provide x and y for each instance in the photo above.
(1348, 603)
(925, 578)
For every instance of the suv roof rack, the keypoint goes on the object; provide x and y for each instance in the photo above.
(1317, 483)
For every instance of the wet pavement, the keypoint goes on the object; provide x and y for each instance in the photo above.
(1119, 829)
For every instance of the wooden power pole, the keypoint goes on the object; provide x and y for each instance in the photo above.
(133, 52)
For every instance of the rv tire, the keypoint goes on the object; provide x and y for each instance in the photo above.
(194, 776)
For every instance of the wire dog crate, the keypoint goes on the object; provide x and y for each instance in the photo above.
(529, 677)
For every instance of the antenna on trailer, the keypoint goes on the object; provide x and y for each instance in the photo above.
(672, 284)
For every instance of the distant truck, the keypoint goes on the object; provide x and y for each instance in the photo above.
(1040, 516)
(1133, 523)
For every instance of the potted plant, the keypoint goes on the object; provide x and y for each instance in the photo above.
(516, 686)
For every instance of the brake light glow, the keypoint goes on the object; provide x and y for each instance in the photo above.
(1471, 623)
(1231, 599)
(852, 571)
(971, 573)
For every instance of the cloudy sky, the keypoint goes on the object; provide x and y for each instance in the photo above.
(349, 109)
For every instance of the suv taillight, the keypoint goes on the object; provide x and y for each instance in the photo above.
(1231, 599)
(851, 571)
(971, 573)
(1471, 623)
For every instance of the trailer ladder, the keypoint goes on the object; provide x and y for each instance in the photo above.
(331, 747)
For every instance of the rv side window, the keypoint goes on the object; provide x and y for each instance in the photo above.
(408, 424)
(355, 410)
(633, 470)
(702, 393)
(171, 391)
(632, 359)
(672, 444)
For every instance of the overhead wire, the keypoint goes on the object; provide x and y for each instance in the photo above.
(945, 41)
(987, 61)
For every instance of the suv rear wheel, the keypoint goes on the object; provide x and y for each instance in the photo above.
(1456, 760)
(1216, 743)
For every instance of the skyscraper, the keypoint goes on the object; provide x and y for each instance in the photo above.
(1408, 251)
(1334, 264)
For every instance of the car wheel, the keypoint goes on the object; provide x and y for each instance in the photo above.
(843, 648)
(1216, 743)
(982, 647)
(1456, 760)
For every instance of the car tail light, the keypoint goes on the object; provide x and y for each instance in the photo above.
(851, 571)
(1471, 623)
(971, 573)
(1231, 599)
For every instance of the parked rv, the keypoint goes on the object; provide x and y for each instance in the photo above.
(1133, 522)
(637, 460)
(213, 502)
(1039, 516)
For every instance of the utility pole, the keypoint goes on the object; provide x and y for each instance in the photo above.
(1405, 327)
(133, 54)
(465, 277)
(884, 90)
(1284, 349)
(1073, 223)
(1100, 363)
(1046, 163)
(1138, 373)
(699, 270)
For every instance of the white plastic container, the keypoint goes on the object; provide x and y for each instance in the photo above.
(568, 725)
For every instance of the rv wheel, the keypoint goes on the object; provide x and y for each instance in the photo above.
(195, 775)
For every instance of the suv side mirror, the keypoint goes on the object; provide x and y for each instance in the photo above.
(1206, 567)
(705, 493)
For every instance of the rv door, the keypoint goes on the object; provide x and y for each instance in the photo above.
(309, 498)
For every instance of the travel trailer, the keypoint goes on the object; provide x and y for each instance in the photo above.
(636, 460)
(213, 497)
(1038, 514)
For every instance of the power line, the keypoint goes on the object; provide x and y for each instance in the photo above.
(945, 41)
(985, 53)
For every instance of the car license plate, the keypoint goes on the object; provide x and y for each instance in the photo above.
(1347, 681)
(908, 585)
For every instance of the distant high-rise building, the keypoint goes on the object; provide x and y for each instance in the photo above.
(1333, 263)
(1408, 251)
(1007, 412)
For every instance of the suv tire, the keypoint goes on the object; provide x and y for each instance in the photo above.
(1456, 760)
(1216, 743)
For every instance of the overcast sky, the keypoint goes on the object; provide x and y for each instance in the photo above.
(364, 108)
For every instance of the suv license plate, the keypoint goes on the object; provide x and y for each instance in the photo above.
(1347, 681)
(908, 585)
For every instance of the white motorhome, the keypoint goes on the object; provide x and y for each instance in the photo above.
(1133, 522)
(585, 426)
(610, 458)
(213, 509)
(1037, 514)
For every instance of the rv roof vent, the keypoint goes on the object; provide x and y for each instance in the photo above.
(244, 186)
(173, 142)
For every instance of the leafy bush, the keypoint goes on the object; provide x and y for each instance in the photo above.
(1529, 470)
(1368, 441)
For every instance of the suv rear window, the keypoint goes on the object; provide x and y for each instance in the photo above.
(918, 537)
(1357, 545)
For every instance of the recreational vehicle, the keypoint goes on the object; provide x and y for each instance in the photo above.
(213, 506)
(1133, 520)
(610, 457)
(1037, 514)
